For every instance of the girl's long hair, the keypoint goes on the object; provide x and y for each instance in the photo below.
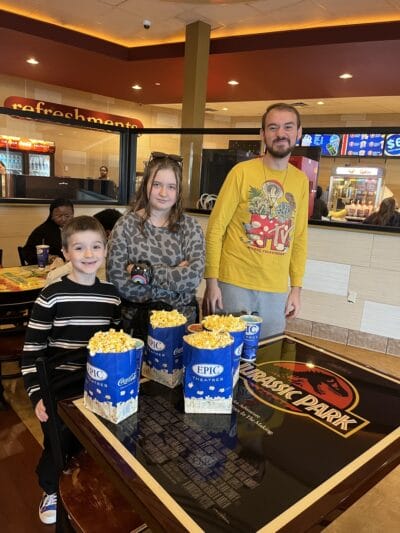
(141, 199)
(385, 212)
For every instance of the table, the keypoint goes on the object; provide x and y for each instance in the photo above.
(22, 278)
(310, 432)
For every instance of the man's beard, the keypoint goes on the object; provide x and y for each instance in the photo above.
(282, 153)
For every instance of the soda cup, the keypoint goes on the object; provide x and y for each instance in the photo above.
(251, 337)
(42, 253)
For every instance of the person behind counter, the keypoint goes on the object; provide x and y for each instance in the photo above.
(156, 231)
(386, 214)
(64, 317)
(320, 208)
(103, 173)
(61, 211)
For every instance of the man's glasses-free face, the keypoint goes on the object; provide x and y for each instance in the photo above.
(162, 155)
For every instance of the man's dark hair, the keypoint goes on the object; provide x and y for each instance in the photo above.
(108, 218)
(281, 106)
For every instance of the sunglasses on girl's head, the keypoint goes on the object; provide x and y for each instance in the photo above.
(162, 155)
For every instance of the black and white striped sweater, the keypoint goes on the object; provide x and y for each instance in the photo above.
(65, 316)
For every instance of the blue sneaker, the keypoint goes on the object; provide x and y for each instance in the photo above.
(48, 508)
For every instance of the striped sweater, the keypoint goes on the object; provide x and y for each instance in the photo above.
(65, 316)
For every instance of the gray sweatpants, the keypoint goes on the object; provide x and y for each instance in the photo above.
(270, 306)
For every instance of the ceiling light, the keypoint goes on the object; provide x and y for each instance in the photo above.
(320, 103)
(345, 76)
(136, 87)
(157, 83)
(224, 109)
(32, 61)
(233, 82)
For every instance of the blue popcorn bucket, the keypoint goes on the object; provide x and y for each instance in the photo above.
(237, 350)
(112, 383)
(163, 358)
(208, 380)
(251, 337)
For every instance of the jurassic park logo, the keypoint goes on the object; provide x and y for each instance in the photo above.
(306, 390)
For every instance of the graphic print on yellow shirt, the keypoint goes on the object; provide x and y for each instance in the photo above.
(272, 215)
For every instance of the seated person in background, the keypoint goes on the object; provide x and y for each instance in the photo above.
(155, 230)
(65, 323)
(107, 218)
(386, 214)
(61, 211)
(103, 172)
(320, 207)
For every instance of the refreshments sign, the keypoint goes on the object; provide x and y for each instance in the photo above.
(52, 109)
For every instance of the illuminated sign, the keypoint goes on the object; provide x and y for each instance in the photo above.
(392, 145)
(51, 109)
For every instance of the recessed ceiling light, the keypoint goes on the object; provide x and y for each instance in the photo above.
(320, 103)
(157, 83)
(32, 61)
(345, 76)
(136, 87)
(224, 109)
(233, 82)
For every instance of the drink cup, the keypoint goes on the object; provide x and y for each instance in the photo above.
(42, 252)
(251, 337)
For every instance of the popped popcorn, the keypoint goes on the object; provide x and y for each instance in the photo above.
(111, 342)
(223, 323)
(209, 339)
(167, 319)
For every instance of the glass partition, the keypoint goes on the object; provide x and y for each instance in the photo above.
(43, 160)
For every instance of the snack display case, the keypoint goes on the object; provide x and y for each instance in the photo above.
(357, 190)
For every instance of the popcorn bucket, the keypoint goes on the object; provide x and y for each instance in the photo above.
(232, 325)
(208, 380)
(237, 349)
(112, 382)
(163, 358)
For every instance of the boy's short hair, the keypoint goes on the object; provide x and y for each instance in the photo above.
(82, 223)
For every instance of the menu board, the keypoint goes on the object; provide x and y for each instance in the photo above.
(329, 142)
(362, 144)
(392, 145)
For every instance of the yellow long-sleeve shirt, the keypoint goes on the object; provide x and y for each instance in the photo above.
(257, 231)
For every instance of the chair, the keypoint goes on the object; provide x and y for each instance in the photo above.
(22, 258)
(87, 500)
(1, 257)
(15, 308)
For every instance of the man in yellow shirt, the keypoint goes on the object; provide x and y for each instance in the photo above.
(257, 232)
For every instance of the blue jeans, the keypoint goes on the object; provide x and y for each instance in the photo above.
(270, 306)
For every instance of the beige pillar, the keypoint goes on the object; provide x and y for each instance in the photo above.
(197, 48)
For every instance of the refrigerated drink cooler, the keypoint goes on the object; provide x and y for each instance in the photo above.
(357, 190)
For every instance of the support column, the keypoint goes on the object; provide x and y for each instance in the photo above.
(197, 48)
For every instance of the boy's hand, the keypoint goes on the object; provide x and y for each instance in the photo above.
(40, 411)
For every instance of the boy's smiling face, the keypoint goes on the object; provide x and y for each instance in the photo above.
(86, 251)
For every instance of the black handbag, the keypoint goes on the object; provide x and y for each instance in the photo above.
(136, 316)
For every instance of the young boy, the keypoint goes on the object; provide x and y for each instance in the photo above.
(65, 316)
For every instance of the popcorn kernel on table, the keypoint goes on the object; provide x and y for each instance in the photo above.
(223, 323)
(111, 342)
(167, 319)
(209, 339)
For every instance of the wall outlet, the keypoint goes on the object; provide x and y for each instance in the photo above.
(352, 297)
